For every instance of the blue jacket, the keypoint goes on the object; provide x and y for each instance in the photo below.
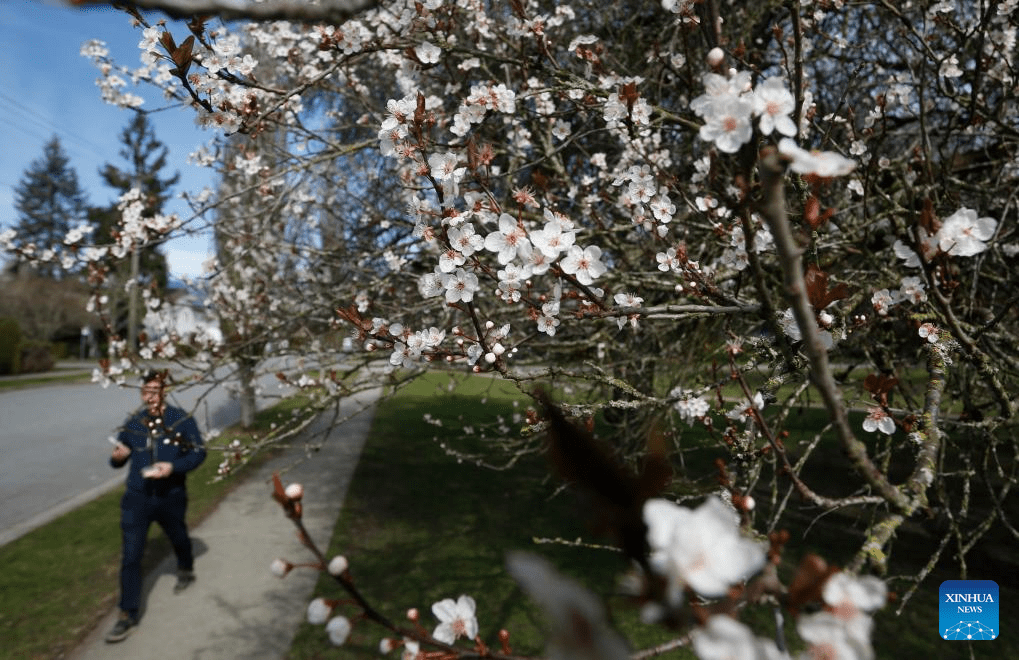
(175, 439)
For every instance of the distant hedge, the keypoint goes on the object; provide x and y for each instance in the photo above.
(18, 356)
(10, 346)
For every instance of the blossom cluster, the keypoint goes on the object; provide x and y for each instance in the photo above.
(962, 234)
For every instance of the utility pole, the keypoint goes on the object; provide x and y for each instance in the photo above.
(132, 302)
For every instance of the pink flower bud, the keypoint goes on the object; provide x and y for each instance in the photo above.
(412, 614)
(715, 57)
(386, 645)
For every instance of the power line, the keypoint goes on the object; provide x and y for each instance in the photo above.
(25, 113)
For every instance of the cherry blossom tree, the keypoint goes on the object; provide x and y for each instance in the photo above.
(644, 203)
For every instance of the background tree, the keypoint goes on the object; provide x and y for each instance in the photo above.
(49, 204)
(146, 158)
(48, 311)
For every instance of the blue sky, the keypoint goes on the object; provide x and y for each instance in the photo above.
(47, 88)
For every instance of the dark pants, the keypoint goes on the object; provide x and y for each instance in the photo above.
(137, 512)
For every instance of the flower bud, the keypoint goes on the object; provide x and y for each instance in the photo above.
(338, 629)
(280, 567)
(386, 645)
(319, 611)
(413, 614)
(338, 565)
(295, 492)
(715, 57)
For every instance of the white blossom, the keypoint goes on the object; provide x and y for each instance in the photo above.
(774, 103)
(724, 638)
(585, 264)
(701, 548)
(822, 163)
(878, 420)
(963, 234)
(456, 619)
(509, 242)
(427, 53)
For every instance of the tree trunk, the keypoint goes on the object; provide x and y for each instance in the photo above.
(246, 375)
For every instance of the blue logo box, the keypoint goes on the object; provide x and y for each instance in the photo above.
(969, 610)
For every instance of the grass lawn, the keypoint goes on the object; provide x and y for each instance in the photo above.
(44, 379)
(419, 526)
(61, 579)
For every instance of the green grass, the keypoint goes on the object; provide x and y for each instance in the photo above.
(49, 379)
(61, 579)
(418, 526)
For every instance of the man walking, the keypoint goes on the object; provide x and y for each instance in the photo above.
(163, 444)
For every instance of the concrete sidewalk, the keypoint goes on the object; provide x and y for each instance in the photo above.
(237, 608)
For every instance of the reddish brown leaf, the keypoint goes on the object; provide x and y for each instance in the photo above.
(279, 493)
(181, 55)
(628, 93)
(879, 385)
(613, 491)
(168, 43)
(818, 293)
(812, 212)
(656, 471)
(928, 219)
(808, 582)
(419, 110)
(197, 26)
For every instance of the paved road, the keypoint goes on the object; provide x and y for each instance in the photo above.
(54, 450)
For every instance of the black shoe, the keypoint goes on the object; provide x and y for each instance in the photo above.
(184, 580)
(125, 626)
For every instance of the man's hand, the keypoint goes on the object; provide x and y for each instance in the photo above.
(121, 452)
(160, 470)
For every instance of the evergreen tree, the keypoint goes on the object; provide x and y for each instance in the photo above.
(146, 157)
(49, 202)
